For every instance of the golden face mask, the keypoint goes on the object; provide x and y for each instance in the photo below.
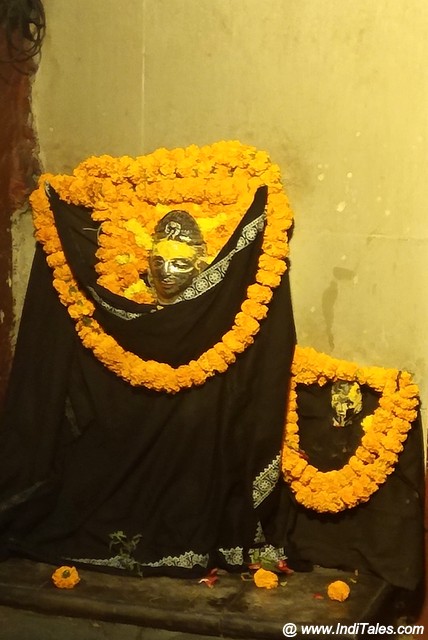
(173, 265)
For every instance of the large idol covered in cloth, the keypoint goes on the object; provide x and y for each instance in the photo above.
(143, 425)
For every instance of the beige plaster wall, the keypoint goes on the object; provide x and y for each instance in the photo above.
(335, 90)
(88, 93)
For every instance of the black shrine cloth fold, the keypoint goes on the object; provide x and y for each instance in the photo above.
(193, 478)
(385, 535)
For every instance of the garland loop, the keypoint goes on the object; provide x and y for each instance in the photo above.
(216, 184)
(384, 433)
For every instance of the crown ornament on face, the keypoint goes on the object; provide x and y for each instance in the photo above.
(177, 255)
(180, 226)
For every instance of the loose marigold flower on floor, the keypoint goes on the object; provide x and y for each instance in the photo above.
(65, 577)
(338, 590)
(265, 579)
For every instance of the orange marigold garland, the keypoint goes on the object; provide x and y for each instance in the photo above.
(216, 184)
(384, 433)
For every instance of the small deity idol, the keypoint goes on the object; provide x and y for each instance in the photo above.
(177, 256)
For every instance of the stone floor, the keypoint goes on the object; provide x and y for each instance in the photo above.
(18, 624)
(115, 607)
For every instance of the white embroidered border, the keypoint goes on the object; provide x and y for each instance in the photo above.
(211, 276)
(269, 553)
(116, 562)
(259, 536)
(120, 313)
(234, 556)
(187, 560)
(266, 481)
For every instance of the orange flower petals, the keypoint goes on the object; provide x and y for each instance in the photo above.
(338, 590)
(259, 293)
(65, 577)
(384, 433)
(128, 196)
(265, 579)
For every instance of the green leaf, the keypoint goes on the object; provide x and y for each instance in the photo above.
(269, 565)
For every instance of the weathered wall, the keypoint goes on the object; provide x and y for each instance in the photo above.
(336, 91)
(17, 166)
(88, 96)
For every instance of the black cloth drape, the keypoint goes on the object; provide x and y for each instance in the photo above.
(191, 479)
(384, 536)
(194, 476)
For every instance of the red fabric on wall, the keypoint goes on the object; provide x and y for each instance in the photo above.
(17, 166)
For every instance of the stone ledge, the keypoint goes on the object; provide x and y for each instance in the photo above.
(233, 608)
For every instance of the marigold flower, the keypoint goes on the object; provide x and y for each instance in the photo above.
(267, 278)
(265, 579)
(383, 434)
(211, 360)
(259, 293)
(65, 577)
(254, 309)
(338, 590)
(215, 183)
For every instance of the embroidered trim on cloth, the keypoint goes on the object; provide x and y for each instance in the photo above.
(384, 433)
(259, 536)
(211, 276)
(120, 313)
(265, 482)
(188, 560)
(270, 553)
(115, 562)
(234, 557)
(216, 184)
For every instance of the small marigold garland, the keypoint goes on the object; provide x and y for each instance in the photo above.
(384, 433)
(216, 184)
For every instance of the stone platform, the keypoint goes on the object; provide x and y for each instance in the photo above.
(233, 608)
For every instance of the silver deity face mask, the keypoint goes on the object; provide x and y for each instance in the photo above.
(172, 268)
(177, 255)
